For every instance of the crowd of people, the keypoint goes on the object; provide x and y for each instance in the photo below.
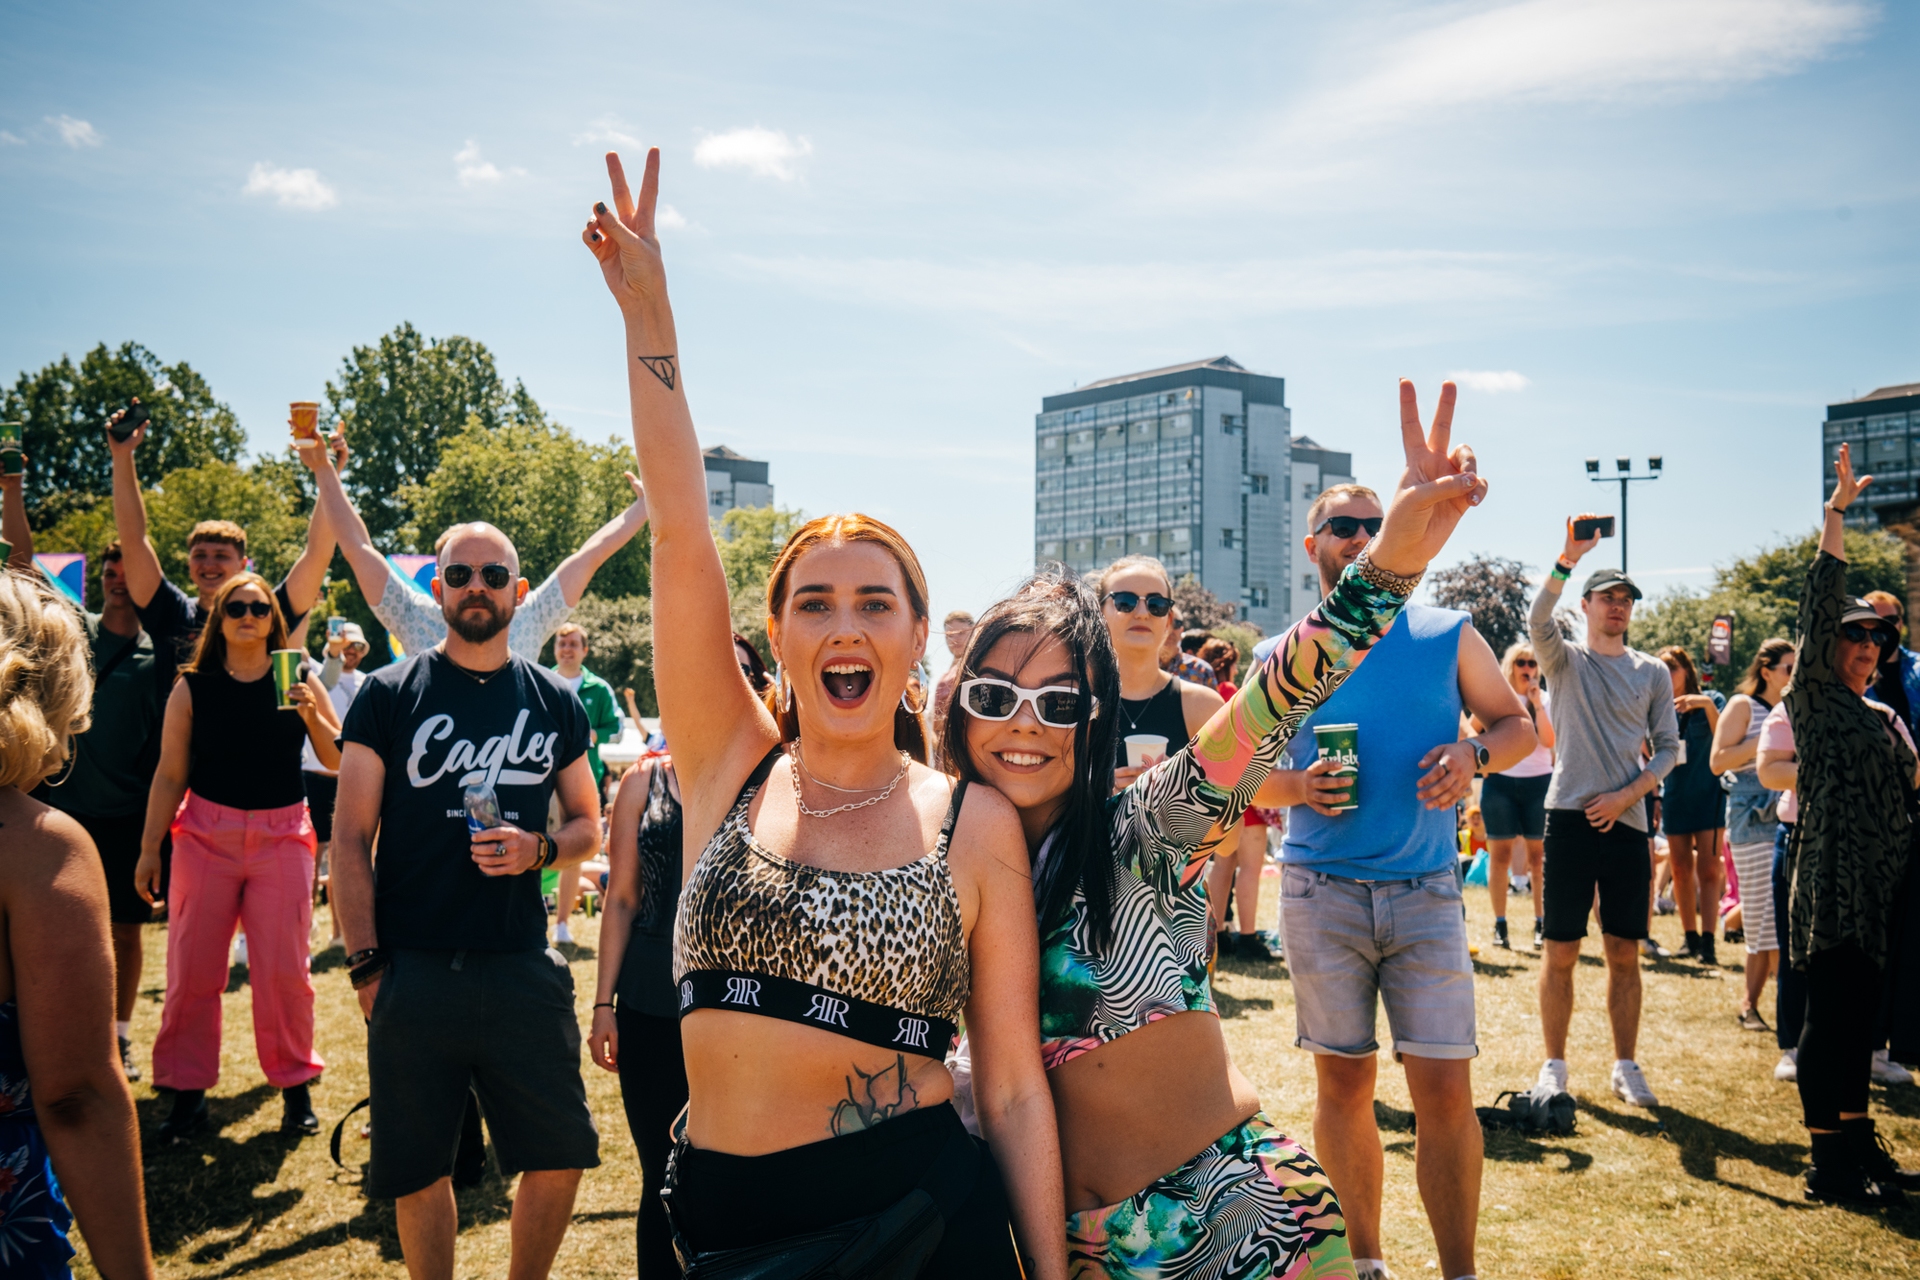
(917, 983)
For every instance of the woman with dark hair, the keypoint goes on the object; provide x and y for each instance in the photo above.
(751, 664)
(1172, 1169)
(849, 904)
(1848, 864)
(1693, 808)
(229, 789)
(1752, 816)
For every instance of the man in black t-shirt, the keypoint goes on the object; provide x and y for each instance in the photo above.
(216, 550)
(446, 932)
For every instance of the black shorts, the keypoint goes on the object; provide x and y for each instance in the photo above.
(321, 790)
(500, 1023)
(1514, 806)
(118, 840)
(1580, 859)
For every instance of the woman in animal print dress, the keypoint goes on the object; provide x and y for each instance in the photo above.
(1172, 1169)
(1847, 863)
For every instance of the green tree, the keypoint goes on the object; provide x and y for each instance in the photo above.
(403, 399)
(1199, 607)
(1762, 593)
(543, 486)
(620, 644)
(65, 409)
(1494, 590)
(750, 539)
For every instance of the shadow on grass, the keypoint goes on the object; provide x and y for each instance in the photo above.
(1236, 1007)
(327, 961)
(575, 951)
(1511, 1147)
(1485, 968)
(207, 1183)
(1898, 1099)
(1392, 1119)
(236, 978)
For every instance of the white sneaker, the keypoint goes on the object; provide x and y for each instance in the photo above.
(1630, 1085)
(563, 934)
(1519, 884)
(1887, 1071)
(240, 950)
(1552, 1079)
(1372, 1271)
(1665, 906)
(1788, 1068)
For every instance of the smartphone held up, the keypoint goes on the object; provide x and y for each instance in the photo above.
(1593, 527)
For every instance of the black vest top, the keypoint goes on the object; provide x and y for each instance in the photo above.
(646, 967)
(246, 750)
(1159, 714)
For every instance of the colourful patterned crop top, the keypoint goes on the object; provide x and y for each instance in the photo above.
(1163, 833)
(879, 956)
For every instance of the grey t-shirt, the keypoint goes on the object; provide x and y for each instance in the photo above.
(1604, 708)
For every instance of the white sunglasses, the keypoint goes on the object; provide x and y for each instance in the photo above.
(1056, 705)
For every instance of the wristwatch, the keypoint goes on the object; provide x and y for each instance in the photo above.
(1480, 753)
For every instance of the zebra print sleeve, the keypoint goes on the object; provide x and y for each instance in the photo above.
(1165, 821)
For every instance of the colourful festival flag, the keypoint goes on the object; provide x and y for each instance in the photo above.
(66, 570)
(417, 570)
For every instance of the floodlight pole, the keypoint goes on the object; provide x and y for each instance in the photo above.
(1624, 468)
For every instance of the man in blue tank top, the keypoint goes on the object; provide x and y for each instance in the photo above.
(1370, 909)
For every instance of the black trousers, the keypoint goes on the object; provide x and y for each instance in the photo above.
(653, 1089)
(1844, 989)
(1789, 983)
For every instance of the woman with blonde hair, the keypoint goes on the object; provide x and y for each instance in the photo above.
(1513, 802)
(845, 905)
(1752, 820)
(56, 971)
(229, 789)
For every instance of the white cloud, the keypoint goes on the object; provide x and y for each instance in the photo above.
(767, 153)
(475, 171)
(607, 131)
(293, 188)
(668, 218)
(10, 140)
(76, 133)
(1591, 50)
(1490, 381)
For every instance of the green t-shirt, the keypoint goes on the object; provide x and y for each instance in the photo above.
(114, 760)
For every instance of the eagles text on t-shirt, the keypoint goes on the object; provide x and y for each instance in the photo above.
(440, 729)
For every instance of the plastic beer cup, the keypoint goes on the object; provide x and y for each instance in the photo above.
(11, 462)
(1341, 744)
(306, 419)
(286, 674)
(1140, 746)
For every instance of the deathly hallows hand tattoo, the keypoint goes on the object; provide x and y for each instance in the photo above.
(661, 367)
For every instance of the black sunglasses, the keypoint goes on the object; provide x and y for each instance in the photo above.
(1056, 705)
(1347, 526)
(1853, 631)
(496, 576)
(241, 608)
(1127, 601)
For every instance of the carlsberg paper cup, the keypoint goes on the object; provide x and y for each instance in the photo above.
(1142, 745)
(286, 674)
(1341, 743)
(306, 419)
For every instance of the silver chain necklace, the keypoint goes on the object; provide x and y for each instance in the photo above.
(906, 762)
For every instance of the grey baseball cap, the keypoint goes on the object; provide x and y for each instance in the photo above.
(1601, 579)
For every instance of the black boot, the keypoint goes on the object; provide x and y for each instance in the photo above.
(1224, 943)
(1500, 934)
(1707, 954)
(1875, 1158)
(188, 1117)
(298, 1118)
(1691, 947)
(1837, 1178)
(1251, 946)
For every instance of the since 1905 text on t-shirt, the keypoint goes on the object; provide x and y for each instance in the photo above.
(439, 728)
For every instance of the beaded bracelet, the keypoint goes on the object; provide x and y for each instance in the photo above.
(1396, 583)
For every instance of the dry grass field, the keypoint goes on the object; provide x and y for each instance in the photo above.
(1705, 1186)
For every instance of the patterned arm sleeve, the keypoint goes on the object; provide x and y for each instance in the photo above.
(1165, 821)
(1820, 609)
(409, 613)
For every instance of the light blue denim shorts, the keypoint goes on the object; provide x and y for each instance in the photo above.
(1353, 944)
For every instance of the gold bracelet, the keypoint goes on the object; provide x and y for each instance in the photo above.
(1393, 583)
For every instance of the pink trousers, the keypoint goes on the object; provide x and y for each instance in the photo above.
(252, 866)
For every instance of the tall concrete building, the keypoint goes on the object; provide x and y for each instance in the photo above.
(734, 480)
(1190, 463)
(1883, 427)
(1314, 469)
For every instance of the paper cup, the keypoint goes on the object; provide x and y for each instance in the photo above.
(11, 462)
(1144, 746)
(306, 420)
(1341, 743)
(286, 674)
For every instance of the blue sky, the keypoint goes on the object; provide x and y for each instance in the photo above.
(1685, 225)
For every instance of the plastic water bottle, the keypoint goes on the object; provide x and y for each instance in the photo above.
(483, 808)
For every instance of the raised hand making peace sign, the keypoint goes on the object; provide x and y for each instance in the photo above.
(1434, 491)
(624, 240)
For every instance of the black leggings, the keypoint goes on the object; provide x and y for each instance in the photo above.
(730, 1202)
(653, 1089)
(1842, 1028)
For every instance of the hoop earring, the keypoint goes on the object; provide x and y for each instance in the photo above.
(786, 693)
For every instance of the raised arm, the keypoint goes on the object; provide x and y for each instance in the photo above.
(309, 572)
(1170, 813)
(720, 729)
(577, 570)
(137, 557)
(1825, 597)
(1548, 645)
(356, 544)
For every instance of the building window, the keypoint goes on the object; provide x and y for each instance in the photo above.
(1309, 583)
(1255, 597)
(1230, 539)
(1307, 493)
(1256, 484)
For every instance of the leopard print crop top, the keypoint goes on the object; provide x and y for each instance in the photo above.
(879, 956)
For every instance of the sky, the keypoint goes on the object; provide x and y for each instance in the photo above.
(1626, 227)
